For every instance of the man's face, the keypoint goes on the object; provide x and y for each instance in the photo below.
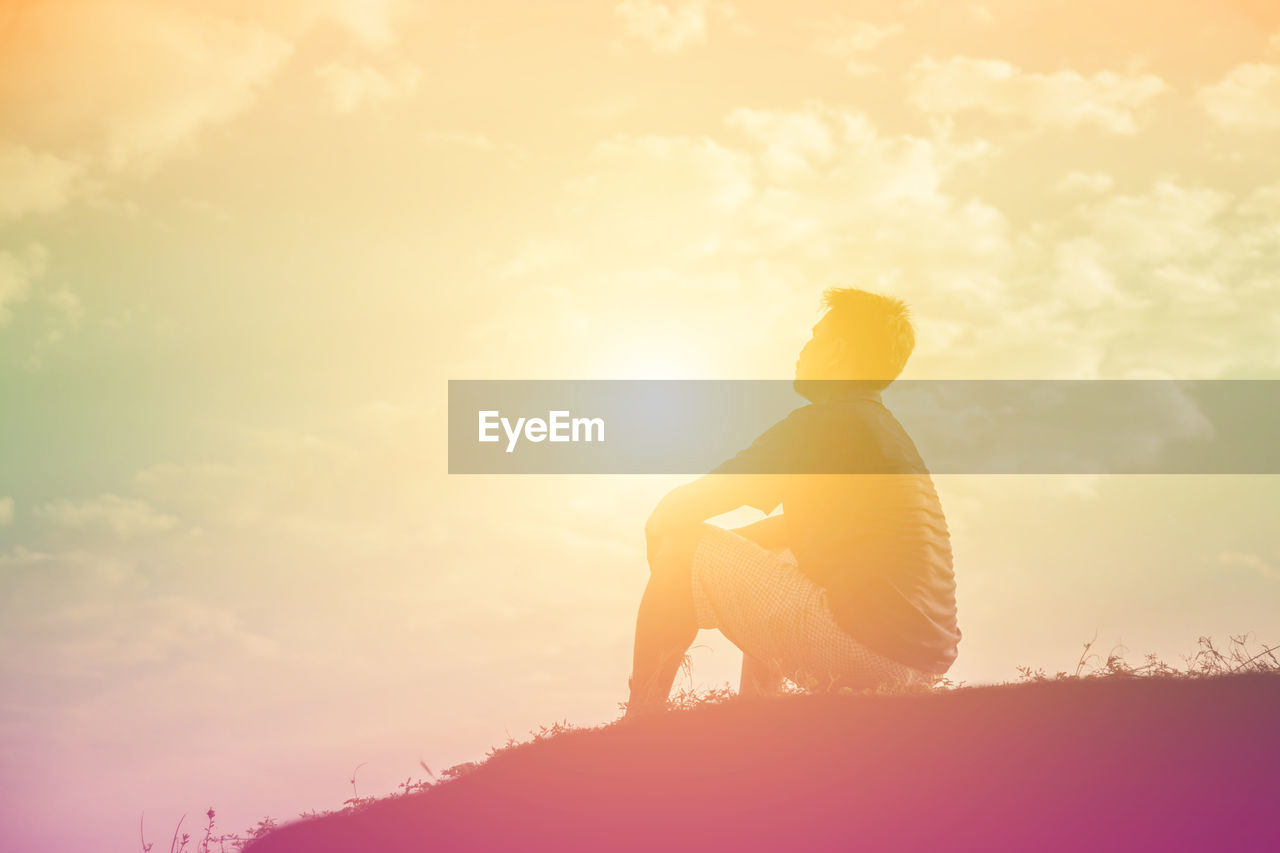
(823, 355)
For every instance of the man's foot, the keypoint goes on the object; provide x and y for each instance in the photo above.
(641, 712)
(639, 706)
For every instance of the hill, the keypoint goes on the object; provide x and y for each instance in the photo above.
(1080, 764)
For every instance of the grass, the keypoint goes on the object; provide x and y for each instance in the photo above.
(1242, 654)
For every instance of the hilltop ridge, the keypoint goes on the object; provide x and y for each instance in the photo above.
(1107, 764)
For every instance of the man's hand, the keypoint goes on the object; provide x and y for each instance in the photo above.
(770, 533)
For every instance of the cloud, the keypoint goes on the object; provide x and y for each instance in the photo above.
(34, 182)
(1092, 183)
(460, 143)
(353, 87)
(1252, 562)
(212, 74)
(1170, 223)
(1247, 98)
(6, 512)
(461, 138)
(850, 40)
(357, 485)
(371, 22)
(35, 580)
(698, 169)
(834, 169)
(17, 272)
(73, 614)
(1083, 275)
(537, 254)
(793, 142)
(1076, 284)
(123, 518)
(759, 215)
(149, 78)
(666, 27)
(68, 306)
(1107, 100)
(1175, 278)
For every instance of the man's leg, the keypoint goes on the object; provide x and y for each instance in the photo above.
(666, 624)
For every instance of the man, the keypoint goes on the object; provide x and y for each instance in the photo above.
(865, 594)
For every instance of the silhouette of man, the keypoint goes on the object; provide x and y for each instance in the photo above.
(851, 585)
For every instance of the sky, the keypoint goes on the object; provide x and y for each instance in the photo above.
(244, 246)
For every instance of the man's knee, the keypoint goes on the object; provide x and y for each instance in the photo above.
(673, 558)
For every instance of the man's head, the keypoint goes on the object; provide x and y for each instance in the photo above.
(862, 336)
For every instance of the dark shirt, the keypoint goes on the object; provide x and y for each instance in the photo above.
(863, 520)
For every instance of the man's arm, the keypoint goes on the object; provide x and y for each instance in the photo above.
(687, 506)
(736, 482)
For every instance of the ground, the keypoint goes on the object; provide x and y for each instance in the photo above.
(1082, 764)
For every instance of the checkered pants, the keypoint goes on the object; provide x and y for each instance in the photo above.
(761, 601)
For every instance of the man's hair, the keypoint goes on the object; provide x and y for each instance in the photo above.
(878, 329)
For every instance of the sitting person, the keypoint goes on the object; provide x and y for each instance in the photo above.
(851, 585)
